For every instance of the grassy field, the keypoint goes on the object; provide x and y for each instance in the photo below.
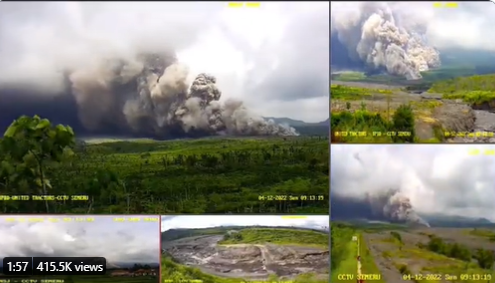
(344, 253)
(279, 236)
(216, 175)
(486, 234)
(474, 90)
(440, 265)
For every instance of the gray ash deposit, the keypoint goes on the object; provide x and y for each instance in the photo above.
(249, 261)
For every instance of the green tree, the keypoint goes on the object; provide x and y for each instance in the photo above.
(237, 237)
(348, 105)
(436, 245)
(458, 251)
(485, 258)
(29, 144)
(403, 121)
(398, 237)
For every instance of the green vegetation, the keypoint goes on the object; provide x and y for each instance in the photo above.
(484, 233)
(442, 74)
(402, 121)
(174, 272)
(342, 92)
(368, 262)
(472, 83)
(343, 253)
(343, 257)
(453, 250)
(349, 76)
(435, 257)
(277, 236)
(473, 90)
(485, 258)
(183, 176)
(363, 77)
(473, 97)
(27, 149)
(398, 238)
(426, 104)
(175, 234)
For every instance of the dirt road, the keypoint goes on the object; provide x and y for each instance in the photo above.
(359, 269)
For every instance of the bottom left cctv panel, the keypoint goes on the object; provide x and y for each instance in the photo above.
(79, 248)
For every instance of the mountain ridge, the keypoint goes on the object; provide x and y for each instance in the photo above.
(294, 122)
(177, 233)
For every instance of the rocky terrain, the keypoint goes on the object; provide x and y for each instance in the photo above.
(250, 261)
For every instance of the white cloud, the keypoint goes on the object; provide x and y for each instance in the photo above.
(467, 26)
(207, 221)
(38, 235)
(278, 52)
(450, 179)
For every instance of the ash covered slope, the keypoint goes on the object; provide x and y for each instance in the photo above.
(375, 35)
(151, 96)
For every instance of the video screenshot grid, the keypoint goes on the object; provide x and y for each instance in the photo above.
(164, 142)
(200, 142)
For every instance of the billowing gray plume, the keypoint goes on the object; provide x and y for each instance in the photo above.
(381, 39)
(150, 96)
(395, 207)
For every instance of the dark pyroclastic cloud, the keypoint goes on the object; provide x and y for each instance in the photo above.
(164, 69)
(406, 38)
(398, 183)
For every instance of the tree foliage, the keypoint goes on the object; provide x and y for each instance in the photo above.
(453, 250)
(28, 146)
(485, 258)
(472, 89)
(403, 120)
(185, 176)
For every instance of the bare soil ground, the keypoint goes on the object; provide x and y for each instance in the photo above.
(246, 260)
(430, 109)
(389, 255)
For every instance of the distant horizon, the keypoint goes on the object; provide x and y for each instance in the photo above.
(203, 222)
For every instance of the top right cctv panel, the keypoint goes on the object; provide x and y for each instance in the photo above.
(412, 72)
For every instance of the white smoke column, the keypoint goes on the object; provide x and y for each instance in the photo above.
(374, 34)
